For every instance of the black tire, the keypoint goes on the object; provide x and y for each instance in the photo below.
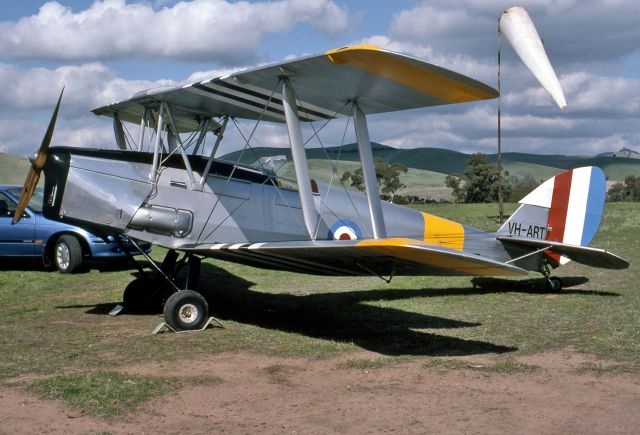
(67, 254)
(47, 262)
(186, 310)
(554, 284)
(144, 296)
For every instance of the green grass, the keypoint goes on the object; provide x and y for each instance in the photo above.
(538, 172)
(101, 393)
(53, 324)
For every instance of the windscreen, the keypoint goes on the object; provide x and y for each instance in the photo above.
(35, 204)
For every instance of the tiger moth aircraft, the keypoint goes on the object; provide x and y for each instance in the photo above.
(164, 188)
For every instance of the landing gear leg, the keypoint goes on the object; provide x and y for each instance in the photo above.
(148, 292)
(183, 309)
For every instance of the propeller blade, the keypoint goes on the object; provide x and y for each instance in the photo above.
(27, 192)
(41, 158)
(33, 176)
(516, 25)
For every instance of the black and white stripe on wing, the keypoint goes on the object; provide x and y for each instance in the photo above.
(252, 254)
(256, 99)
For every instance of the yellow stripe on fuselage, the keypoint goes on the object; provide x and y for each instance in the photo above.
(379, 62)
(443, 232)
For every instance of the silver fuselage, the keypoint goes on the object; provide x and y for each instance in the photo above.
(111, 191)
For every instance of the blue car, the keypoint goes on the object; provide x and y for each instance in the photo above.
(68, 247)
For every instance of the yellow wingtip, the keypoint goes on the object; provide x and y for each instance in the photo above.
(338, 60)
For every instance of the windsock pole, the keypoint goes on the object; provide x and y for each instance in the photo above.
(500, 193)
(521, 33)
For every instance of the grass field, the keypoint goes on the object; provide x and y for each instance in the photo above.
(58, 340)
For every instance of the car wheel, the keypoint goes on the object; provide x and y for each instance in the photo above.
(67, 254)
(186, 310)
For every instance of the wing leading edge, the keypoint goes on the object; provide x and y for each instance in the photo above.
(379, 80)
(383, 257)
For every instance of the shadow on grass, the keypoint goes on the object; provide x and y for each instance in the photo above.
(351, 317)
(341, 316)
(486, 285)
(31, 263)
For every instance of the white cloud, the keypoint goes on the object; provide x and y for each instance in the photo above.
(587, 95)
(608, 96)
(209, 30)
(86, 87)
(199, 76)
(603, 111)
(573, 31)
(27, 98)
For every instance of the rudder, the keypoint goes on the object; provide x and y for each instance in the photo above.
(566, 208)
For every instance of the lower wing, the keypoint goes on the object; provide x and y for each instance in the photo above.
(382, 257)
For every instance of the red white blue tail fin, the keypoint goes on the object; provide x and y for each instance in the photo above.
(563, 213)
(574, 200)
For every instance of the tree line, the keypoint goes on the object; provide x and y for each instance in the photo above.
(387, 176)
(627, 191)
(480, 183)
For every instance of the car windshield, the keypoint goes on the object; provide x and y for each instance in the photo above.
(36, 200)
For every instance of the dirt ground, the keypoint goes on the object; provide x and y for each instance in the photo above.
(262, 394)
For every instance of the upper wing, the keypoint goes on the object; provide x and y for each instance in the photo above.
(593, 257)
(391, 256)
(379, 80)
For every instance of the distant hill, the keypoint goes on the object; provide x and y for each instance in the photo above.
(416, 182)
(13, 169)
(446, 161)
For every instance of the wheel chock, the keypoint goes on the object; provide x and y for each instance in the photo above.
(163, 327)
(116, 310)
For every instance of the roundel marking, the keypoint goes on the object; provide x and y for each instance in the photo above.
(345, 230)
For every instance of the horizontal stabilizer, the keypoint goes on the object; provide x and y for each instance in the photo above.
(582, 254)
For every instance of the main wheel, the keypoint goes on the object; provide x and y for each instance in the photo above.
(67, 254)
(554, 284)
(186, 310)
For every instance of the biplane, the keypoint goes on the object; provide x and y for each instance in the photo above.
(169, 188)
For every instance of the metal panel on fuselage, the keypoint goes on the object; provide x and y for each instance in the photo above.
(227, 210)
(105, 194)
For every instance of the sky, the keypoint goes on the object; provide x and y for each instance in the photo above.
(106, 50)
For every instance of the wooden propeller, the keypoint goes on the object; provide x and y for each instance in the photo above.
(36, 166)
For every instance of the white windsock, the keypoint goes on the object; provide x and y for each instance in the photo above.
(519, 30)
